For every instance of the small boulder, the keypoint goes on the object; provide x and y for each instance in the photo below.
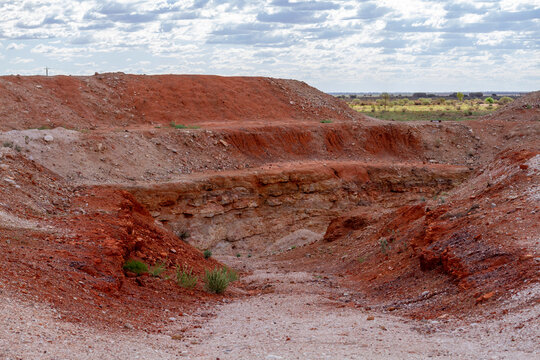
(48, 138)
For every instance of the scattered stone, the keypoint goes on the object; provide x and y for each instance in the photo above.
(526, 257)
(370, 318)
(10, 181)
(128, 326)
(485, 297)
(48, 138)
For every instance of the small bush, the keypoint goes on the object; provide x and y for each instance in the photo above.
(489, 100)
(505, 100)
(182, 126)
(183, 235)
(7, 144)
(135, 266)
(178, 126)
(207, 254)
(217, 280)
(326, 121)
(185, 277)
(157, 269)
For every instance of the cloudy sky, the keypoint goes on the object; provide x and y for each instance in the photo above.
(382, 45)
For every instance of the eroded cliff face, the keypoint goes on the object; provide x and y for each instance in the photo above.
(250, 210)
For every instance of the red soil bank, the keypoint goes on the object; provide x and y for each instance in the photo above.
(66, 245)
(117, 99)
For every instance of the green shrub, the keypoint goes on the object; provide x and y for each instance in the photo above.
(135, 266)
(183, 235)
(207, 254)
(178, 126)
(185, 277)
(182, 126)
(326, 121)
(8, 144)
(505, 100)
(424, 101)
(489, 100)
(157, 269)
(217, 280)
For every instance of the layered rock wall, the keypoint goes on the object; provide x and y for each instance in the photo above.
(251, 209)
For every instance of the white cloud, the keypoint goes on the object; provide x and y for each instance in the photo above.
(15, 46)
(19, 60)
(336, 45)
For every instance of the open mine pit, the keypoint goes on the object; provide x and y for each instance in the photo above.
(342, 227)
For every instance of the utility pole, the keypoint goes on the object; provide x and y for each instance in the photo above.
(46, 71)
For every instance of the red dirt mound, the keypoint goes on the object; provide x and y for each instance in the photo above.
(117, 99)
(67, 245)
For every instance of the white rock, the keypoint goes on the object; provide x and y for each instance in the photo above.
(48, 138)
(10, 181)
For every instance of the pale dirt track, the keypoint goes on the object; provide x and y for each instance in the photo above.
(293, 318)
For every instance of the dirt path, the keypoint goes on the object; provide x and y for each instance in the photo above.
(294, 317)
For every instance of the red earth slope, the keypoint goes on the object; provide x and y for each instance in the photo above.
(117, 99)
(66, 246)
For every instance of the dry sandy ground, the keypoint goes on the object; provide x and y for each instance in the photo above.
(293, 318)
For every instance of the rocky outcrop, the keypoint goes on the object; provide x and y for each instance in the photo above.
(248, 210)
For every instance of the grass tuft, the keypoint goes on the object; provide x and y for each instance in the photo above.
(182, 126)
(135, 266)
(157, 269)
(207, 254)
(217, 280)
(231, 274)
(185, 277)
